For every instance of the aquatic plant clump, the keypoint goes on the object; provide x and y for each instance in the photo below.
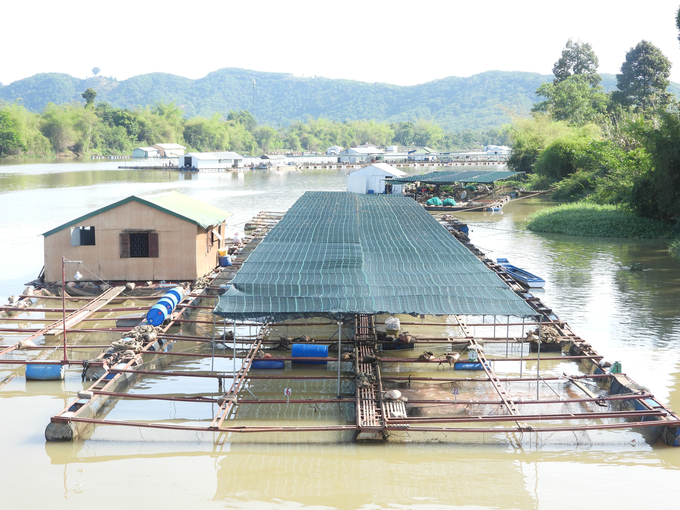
(592, 220)
(674, 247)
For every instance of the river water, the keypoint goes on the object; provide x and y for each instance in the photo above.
(622, 296)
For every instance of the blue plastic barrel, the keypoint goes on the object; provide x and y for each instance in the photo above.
(156, 315)
(169, 302)
(178, 292)
(50, 372)
(225, 261)
(468, 366)
(309, 351)
(268, 364)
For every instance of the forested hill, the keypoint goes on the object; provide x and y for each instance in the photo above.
(481, 101)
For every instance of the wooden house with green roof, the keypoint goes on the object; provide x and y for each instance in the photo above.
(167, 237)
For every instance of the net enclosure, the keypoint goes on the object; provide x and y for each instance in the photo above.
(336, 254)
(449, 177)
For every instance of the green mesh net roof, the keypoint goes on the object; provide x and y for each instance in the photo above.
(448, 177)
(337, 254)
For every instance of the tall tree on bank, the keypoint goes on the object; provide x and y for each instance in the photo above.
(575, 95)
(644, 78)
(577, 59)
(89, 96)
(573, 100)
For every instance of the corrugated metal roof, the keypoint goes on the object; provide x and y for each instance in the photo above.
(448, 177)
(169, 145)
(176, 204)
(227, 155)
(338, 254)
(362, 150)
(214, 155)
(381, 166)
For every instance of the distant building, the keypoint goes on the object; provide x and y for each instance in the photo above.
(374, 178)
(145, 152)
(169, 150)
(165, 237)
(361, 155)
(211, 160)
(273, 160)
(422, 154)
(335, 149)
(497, 150)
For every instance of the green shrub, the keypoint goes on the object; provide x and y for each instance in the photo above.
(592, 220)
(674, 248)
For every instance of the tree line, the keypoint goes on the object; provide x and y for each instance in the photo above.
(620, 148)
(99, 128)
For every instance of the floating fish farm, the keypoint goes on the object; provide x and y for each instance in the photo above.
(350, 318)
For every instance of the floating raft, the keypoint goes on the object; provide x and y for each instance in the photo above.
(346, 397)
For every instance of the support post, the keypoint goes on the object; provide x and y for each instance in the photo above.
(538, 360)
(64, 261)
(339, 353)
(507, 337)
(521, 351)
(63, 302)
(212, 359)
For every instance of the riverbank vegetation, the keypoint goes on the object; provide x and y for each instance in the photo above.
(99, 128)
(616, 155)
(593, 220)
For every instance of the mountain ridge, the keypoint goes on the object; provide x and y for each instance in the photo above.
(481, 101)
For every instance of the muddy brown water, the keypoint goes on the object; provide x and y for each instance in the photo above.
(631, 316)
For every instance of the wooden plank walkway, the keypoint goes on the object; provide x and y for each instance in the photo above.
(231, 397)
(72, 319)
(369, 412)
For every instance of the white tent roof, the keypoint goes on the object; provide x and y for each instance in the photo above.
(380, 169)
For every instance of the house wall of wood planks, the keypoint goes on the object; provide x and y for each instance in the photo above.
(184, 252)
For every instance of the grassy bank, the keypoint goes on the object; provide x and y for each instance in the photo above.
(591, 220)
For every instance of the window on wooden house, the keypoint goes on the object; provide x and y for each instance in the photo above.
(138, 245)
(212, 236)
(82, 236)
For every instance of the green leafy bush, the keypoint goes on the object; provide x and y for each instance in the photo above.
(592, 220)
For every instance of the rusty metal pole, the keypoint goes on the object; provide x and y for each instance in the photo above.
(212, 360)
(339, 353)
(63, 302)
(521, 351)
(234, 360)
(538, 360)
(507, 337)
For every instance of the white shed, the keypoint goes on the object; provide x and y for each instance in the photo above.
(273, 160)
(497, 150)
(372, 179)
(335, 149)
(213, 160)
(360, 155)
(169, 150)
(145, 152)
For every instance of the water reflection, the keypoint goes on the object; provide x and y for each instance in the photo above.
(353, 476)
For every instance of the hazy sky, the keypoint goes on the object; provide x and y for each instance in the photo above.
(400, 42)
